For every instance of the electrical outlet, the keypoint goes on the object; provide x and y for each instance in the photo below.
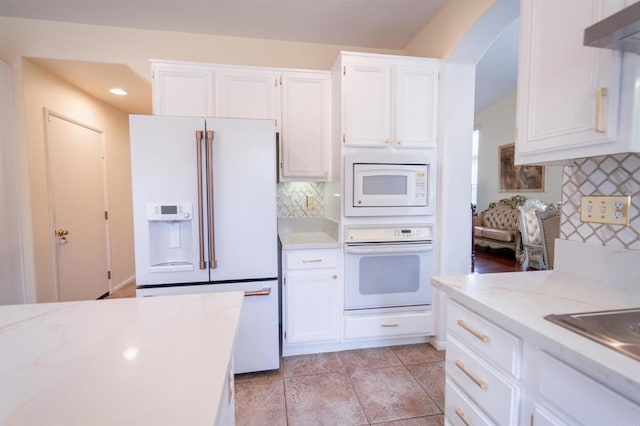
(612, 209)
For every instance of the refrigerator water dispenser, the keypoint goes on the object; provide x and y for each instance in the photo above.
(170, 237)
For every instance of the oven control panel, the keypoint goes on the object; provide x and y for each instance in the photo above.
(388, 233)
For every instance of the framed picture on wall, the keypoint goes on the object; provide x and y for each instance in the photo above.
(523, 178)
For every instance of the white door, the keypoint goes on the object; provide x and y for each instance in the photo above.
(77, 205)
(367, 103)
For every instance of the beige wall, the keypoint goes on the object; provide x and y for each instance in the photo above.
(497, 125)
(44, 90)
(440, 38)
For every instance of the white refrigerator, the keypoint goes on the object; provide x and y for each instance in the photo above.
(205, 219)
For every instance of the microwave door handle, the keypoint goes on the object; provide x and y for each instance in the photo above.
(210, 202)
(203, 263)
(388, 249)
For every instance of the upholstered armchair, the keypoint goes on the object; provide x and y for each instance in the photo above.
(550, 230)
(533, 251)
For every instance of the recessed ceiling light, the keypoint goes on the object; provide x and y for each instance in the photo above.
(118, 91)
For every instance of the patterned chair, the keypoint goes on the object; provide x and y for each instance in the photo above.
(533, 251)
(550, 227)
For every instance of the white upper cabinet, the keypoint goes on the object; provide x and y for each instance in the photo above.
(187, 90)
(305, 137)
(388, 100)
(298, 100)
(568, 94)
(249, 93)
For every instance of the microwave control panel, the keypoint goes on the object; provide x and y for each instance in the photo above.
(169, 211)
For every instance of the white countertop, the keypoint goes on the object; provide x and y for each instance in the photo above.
(138, 361)
(307, 240)
(522, 299)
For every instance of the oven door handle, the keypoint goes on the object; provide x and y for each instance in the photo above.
(387, 249)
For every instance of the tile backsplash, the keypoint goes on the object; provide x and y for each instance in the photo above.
(292, 199)
(609, 175)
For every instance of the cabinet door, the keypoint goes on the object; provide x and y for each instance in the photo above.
(567, 93)
(183, 90)
(249, 94)
(416, 95)
(312, 306)
(305, 136)
(367, 103)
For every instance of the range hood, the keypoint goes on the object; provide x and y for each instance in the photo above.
(620, 31)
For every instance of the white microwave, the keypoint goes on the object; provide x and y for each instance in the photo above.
(389, 185)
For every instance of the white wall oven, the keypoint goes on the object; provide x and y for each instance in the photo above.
(389, 185)
(388, 266)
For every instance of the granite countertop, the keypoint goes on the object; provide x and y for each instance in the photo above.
(156, 360)
(307, 240)
(521, 300)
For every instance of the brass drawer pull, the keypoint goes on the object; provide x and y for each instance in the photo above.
(264, 292)
(391, 324)
(481, 384)
(311, 260)
(460, 415)
(480, 336)
(600, 93)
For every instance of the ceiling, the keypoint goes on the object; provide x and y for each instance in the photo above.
(383, 24)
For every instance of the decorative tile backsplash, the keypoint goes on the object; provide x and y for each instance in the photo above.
(610, 175)
(292, 199)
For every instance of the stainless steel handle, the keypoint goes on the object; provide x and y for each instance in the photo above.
(460, 415)
(476, 334)
(203, 263)
(600, 93)
(384, 249)
(480, 383)
(392, 324)
(210, 202)
(264, 292)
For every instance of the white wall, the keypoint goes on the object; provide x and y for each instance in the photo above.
(497, 125)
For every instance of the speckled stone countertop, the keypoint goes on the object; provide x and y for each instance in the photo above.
(137, 361)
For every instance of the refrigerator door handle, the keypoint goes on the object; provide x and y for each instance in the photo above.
(203, 263)
(210, 203)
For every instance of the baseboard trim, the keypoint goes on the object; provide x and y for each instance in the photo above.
(124, 283)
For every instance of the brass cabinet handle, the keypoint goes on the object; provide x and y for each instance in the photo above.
(311, 260)
(480, 336)
(460, 415)
(480, 383)
(600, 93)
(203, 263)
(392, 324)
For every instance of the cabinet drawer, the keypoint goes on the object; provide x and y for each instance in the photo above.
(459, 410)
(311, 259)
(485, 386)
(489, 340)
(410, 323)
(587, 401)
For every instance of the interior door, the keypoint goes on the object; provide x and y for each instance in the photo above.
(77, 205)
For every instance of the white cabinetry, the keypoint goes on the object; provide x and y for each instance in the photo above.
(181, 89)
(568, 94)
(494, 376)
(226, 406)
(305, 138)
(312, 303)
(249, 93)
(483, 367)
(388, 100)
(298, 100)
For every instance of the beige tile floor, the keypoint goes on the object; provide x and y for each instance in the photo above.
(399, 385)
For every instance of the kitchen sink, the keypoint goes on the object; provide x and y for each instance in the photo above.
(615, 329)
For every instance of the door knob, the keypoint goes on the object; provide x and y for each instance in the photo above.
(62, 232)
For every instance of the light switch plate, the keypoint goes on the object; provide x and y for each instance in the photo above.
(611, 209)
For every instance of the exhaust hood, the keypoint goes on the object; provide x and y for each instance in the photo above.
(620, 31)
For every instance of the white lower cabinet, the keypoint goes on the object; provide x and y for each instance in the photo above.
(226, 407)
(382, 325)
(312, 302)
(495, 376)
